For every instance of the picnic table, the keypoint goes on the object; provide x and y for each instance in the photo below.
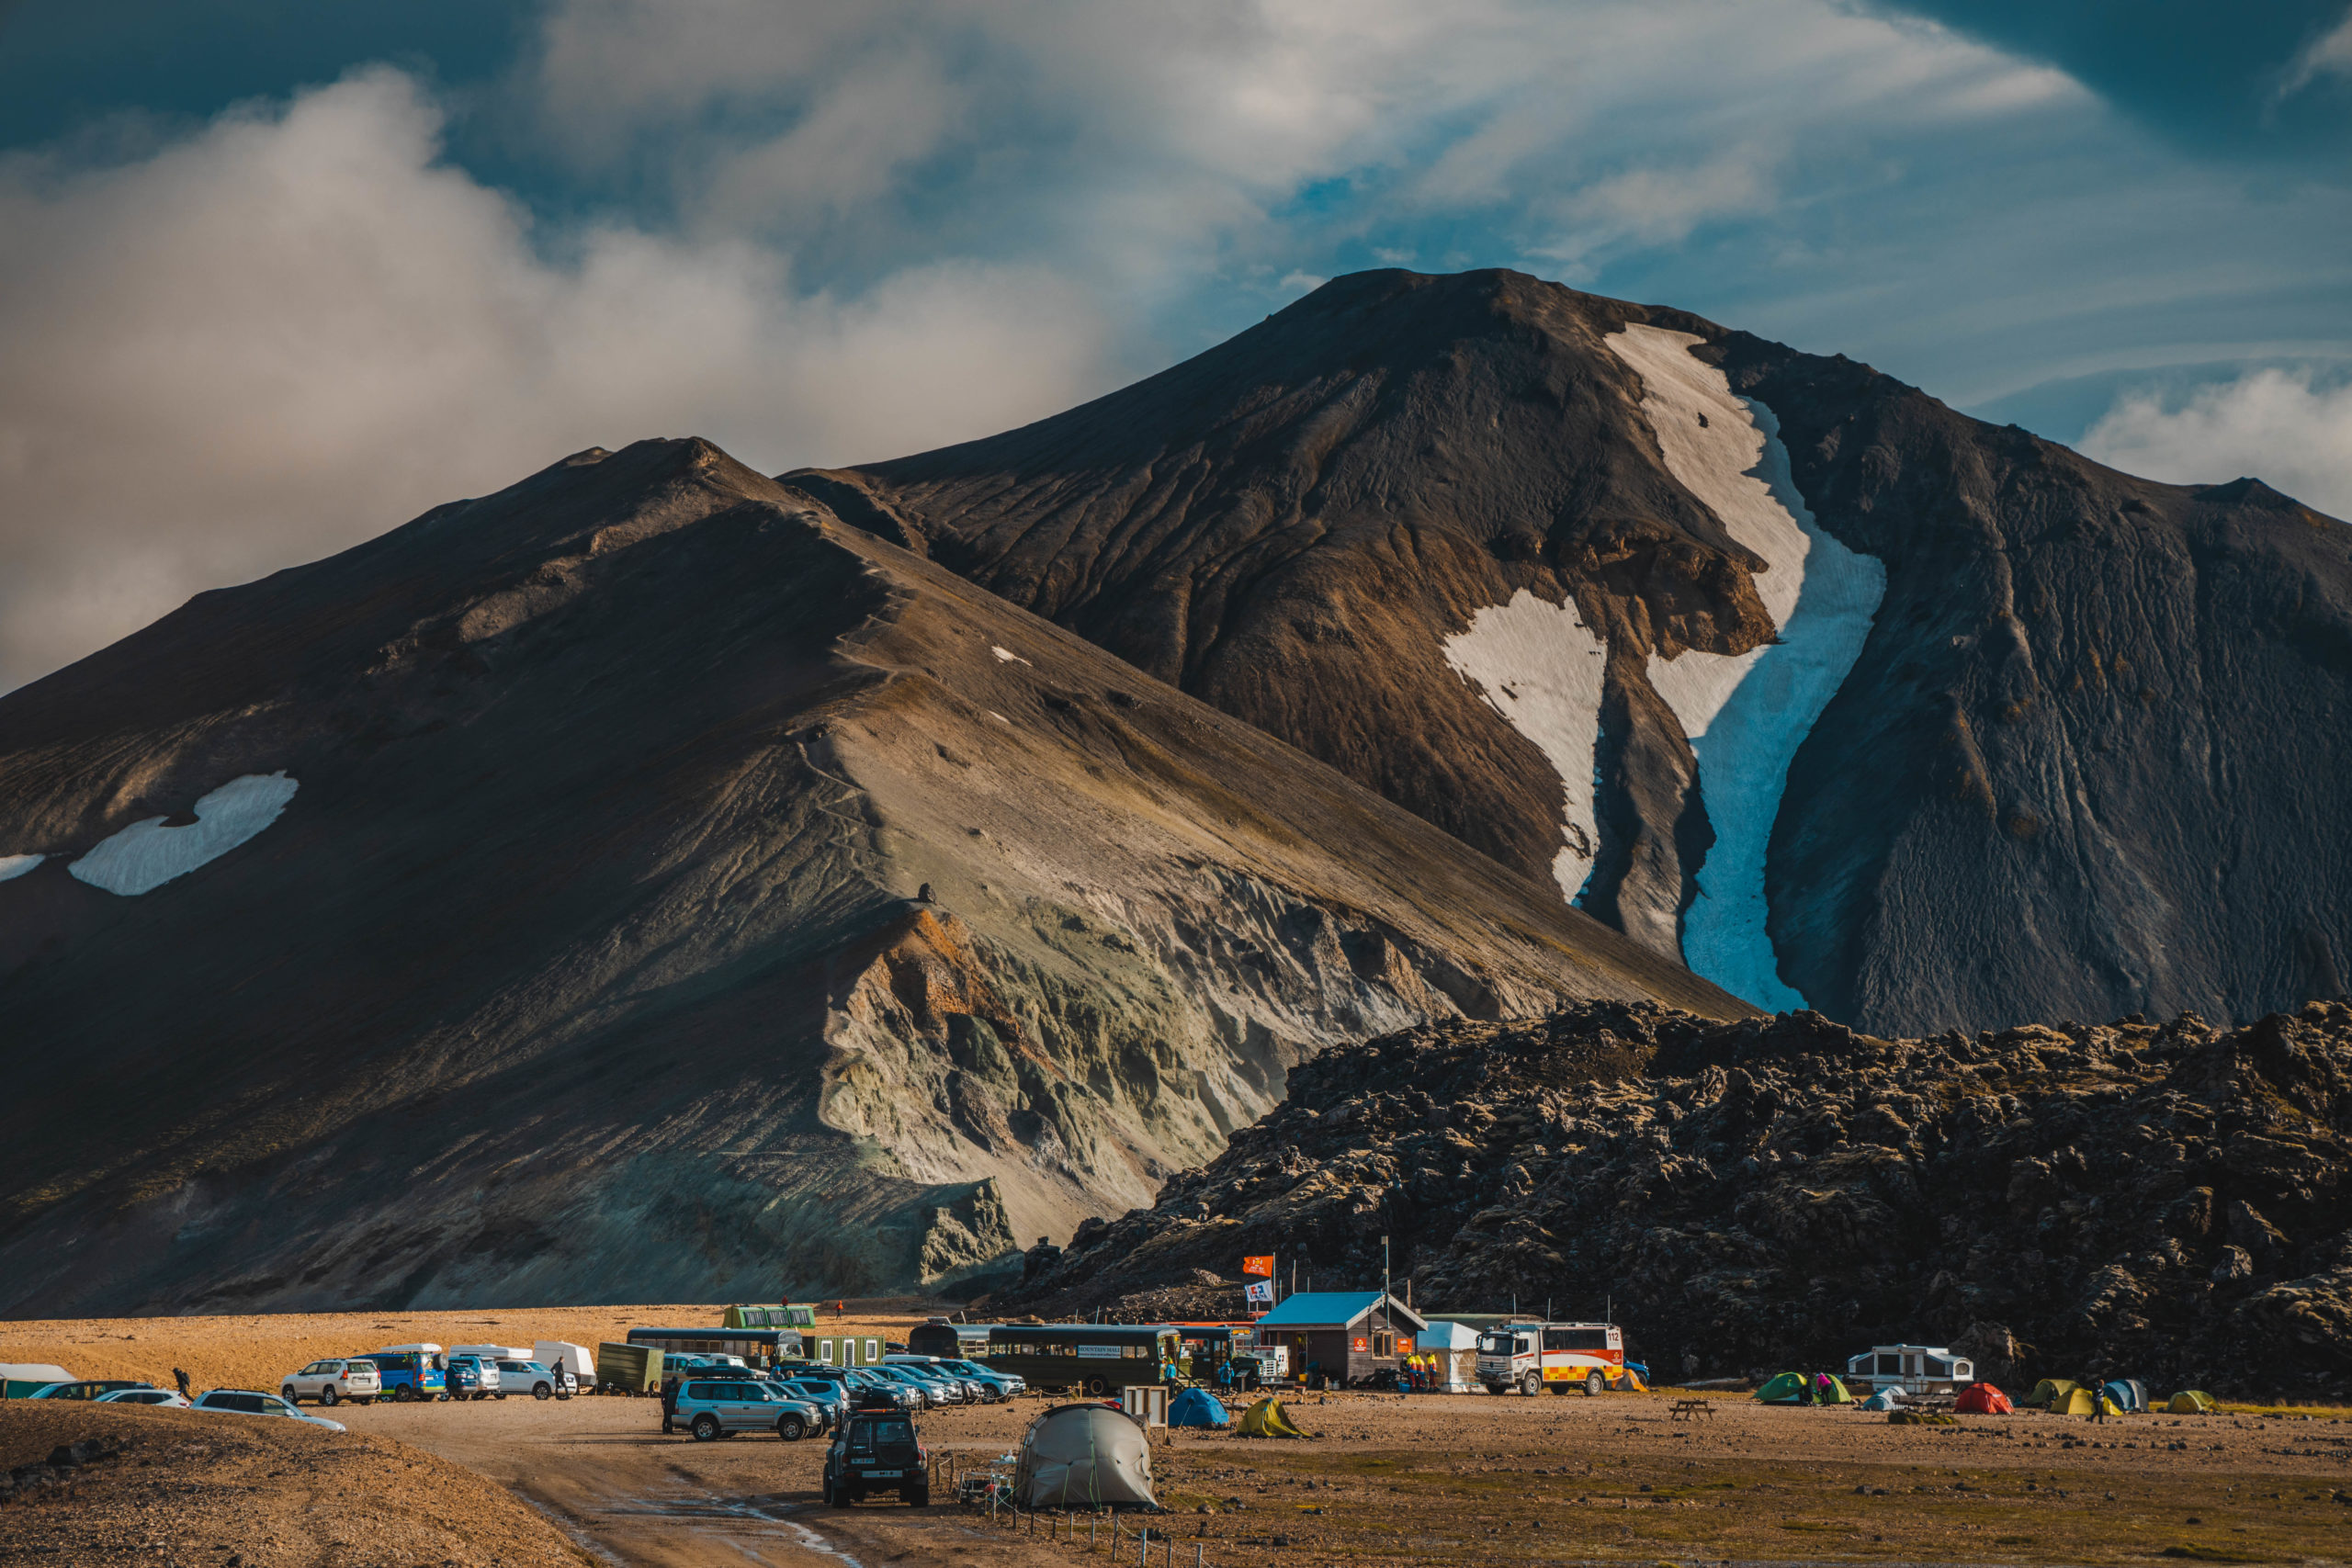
(1687, 1409)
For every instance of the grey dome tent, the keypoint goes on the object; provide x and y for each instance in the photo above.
(1084, 1455)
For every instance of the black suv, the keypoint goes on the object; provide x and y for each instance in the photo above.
(876, 1450)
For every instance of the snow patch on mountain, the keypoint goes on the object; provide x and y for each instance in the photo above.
(1746, 715)
(147, 854)
(13, 866)
(1540, 666)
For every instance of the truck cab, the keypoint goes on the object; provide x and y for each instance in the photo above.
(1532, 1356)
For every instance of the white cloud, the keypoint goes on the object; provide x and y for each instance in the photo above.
(862, 226)
(298, 328)
(2330, 54)
(2283, 427)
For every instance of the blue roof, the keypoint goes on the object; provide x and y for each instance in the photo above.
(1315, 1309)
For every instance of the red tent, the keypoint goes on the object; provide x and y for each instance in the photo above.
(1981, 1399)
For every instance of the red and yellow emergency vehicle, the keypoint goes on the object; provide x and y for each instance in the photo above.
(1531, 1357)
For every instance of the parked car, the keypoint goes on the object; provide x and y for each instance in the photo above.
(86, 1388)
(245, 1402)
(872, 1387)
(333, 1382)
(958, 1390)
(829, 1397)
(877, 1452)
(721, 1408)
(933, 1390)
(535, 1378)
(968, 1390)
(162, 1397)
(470, 1377)
(1005, 1385)
(411, 1372)
(864, 1391)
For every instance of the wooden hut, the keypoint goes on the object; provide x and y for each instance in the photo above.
(1343, 1336)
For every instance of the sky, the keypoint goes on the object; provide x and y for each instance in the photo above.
(277, 275)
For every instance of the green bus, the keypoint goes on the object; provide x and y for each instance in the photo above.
(1098, 1358)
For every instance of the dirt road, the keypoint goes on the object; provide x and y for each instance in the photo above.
(1472, 1479)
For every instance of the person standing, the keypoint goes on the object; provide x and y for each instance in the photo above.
(179, 1375)
(669, 1402)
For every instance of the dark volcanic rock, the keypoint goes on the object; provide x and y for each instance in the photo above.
(2092, 758)
(2173, 1204)
(683, 896)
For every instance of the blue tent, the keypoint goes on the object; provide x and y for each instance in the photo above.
(1195, 1407)
(2131, 1395)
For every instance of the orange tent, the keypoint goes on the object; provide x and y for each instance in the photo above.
(1981, 1399)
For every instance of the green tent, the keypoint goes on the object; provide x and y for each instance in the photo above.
(1789, 1387)
(2189, 1401)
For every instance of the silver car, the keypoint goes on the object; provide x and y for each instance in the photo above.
(721, 1408)
(245, 1402)
(487, 1383)
(331, 1382)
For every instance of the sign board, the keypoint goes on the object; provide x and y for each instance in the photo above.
(1260, 1266)
(1360, 1343)
(1147, 1403)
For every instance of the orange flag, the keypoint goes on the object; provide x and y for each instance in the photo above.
(1264, 1266)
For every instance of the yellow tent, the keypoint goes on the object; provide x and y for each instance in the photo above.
(1267, 1419)
(2050, 1392)
(2189, 1401)
(2074, 1401)
(1633, 1383)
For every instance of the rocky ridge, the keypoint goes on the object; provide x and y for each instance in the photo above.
(2169, 1203)
(677, 895)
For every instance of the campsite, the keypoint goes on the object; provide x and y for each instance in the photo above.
(1378, 1478)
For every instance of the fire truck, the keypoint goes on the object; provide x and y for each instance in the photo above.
(1531, 1357)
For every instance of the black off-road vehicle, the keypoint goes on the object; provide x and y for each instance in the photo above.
(876, 1450)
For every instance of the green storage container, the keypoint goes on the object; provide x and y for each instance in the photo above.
(771, 1317)
(628, 1368)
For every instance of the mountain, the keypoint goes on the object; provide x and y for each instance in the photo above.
(1770, 660)
(2128, 1200)
(638, 884)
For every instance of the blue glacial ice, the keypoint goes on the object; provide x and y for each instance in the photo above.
(1746, 714)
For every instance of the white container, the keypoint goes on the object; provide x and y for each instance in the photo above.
(492, 1352)
(577, 1360)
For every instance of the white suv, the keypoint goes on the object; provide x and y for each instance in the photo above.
(331, 1382)
(535, 1378)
